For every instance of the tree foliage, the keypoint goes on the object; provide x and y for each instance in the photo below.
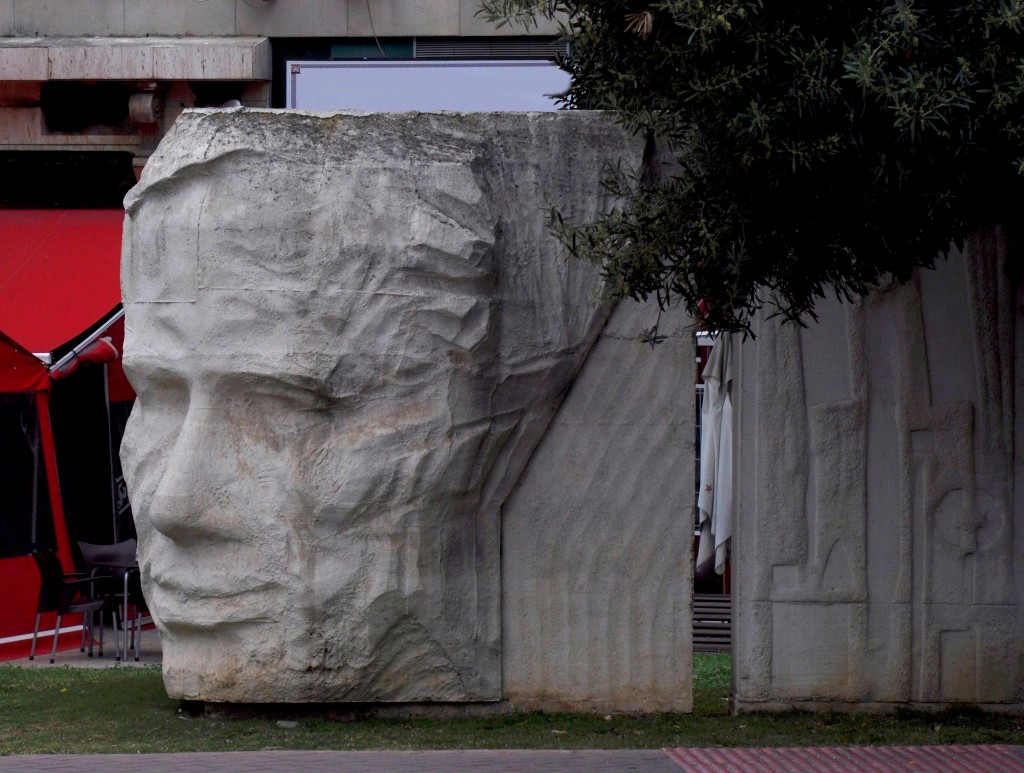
(818, 146)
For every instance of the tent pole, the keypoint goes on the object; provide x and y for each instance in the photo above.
(110, 452)
(60, 527)
(35, 477)
(87, 342)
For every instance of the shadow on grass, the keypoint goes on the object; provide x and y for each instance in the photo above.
(63, 710)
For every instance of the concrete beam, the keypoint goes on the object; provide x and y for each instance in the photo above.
(40, 59)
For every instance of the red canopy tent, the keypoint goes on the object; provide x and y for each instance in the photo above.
(59, 306)
(59, 273)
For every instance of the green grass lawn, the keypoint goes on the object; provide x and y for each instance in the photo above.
(65, 710)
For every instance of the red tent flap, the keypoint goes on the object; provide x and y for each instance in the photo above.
(59, 273)
(20, 370)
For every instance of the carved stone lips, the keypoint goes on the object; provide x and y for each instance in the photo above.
(180, 601)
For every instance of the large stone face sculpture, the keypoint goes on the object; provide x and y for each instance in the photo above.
(347, 333)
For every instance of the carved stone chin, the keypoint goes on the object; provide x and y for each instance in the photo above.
(347, 334)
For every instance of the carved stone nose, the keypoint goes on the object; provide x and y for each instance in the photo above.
(193, 501)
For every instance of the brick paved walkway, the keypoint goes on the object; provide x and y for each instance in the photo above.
(998, 759)
(933, 759)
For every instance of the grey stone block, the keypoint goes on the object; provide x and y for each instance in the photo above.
(597, 540)
(349, 333)
(880, 521)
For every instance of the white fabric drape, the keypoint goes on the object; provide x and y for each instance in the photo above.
(715, 499)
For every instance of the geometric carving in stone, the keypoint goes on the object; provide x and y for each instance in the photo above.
(879, 507)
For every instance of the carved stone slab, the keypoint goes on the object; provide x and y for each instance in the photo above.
(880, 546)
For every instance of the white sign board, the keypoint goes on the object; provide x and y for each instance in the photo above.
(470, 86)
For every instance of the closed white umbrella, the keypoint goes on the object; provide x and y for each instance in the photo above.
(715, 499)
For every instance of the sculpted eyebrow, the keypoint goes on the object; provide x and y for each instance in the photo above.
(155, 366)
(291, 381)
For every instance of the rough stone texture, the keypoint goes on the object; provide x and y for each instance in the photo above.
(597, 538)
(348, 333)
(879, 543)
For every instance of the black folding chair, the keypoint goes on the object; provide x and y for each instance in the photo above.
(64, 594)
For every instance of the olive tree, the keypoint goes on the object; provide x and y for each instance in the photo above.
(817, 147)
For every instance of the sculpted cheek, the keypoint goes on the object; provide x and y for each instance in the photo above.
(151, 431)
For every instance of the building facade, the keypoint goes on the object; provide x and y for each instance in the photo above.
(88, 88)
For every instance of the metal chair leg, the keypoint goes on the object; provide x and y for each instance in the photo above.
(118, 622)
(35, 635)
(56, 635)
(124, 618)
(91, 619)
(137, 638)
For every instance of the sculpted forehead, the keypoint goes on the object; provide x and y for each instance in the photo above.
(431, 231)
(375, 344)
(246, 333)
(272, 327)
(230, 322)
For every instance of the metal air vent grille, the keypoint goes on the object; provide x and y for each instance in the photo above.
(489, 48)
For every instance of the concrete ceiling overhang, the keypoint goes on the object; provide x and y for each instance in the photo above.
(132, 59)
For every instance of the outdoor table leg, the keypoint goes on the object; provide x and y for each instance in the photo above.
(121, 642)
(124, 617)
